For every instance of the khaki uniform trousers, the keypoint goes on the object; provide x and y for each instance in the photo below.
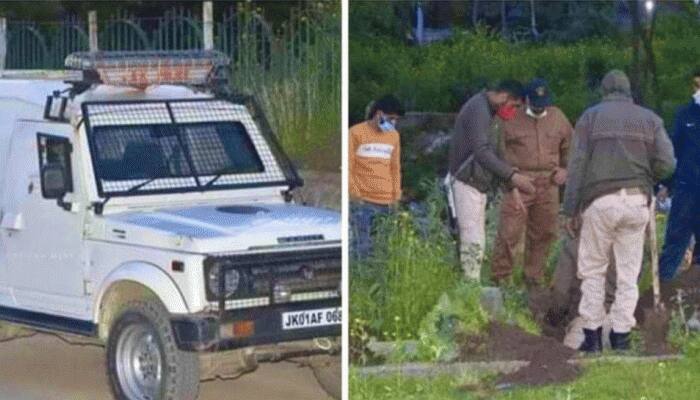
(614, 222)
(538, 221)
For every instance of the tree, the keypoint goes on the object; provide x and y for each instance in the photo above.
(533, 20)
(643, 74)
(504, 19)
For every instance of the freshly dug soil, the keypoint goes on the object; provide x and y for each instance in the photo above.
(655, 328)
(654, 332)
(688, 281)
(548, 357)
(553, 322)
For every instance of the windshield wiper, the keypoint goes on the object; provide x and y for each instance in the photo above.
(176, 152)
(218, 174)
(142, 184)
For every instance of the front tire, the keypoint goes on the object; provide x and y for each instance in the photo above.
(143, 361)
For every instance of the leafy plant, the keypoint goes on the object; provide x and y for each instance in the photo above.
(457, 314)
(414, 263)
(295, 74)
(517, 311)
(440, 76)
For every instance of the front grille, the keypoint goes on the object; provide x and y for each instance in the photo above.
(269, 278)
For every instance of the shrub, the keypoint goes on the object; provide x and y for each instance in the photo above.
(440, 76)
(298, 81)
(414, 263)
(458, 313)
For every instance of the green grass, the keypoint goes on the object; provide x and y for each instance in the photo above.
(654, 381)
(298, 81)
(649, 381)
(413, 264)
(458, 314)
(604, 380)
(437, 77)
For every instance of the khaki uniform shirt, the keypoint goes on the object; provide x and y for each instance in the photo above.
(537, 144)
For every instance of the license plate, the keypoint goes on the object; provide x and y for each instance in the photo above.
(311, 318)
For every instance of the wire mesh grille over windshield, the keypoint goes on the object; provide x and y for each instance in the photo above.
(172, 146)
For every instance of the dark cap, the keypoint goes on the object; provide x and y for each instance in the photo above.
(538, 93)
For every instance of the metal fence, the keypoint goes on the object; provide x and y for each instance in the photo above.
(239, 31)
(294, 69)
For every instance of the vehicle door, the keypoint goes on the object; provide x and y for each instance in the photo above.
(42, 235)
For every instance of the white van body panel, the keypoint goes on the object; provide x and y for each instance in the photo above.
(42, 244)
(213, 229)
(21, 100)
(61, 262)
(148, 275)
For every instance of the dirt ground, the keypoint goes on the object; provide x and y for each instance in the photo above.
(44, 367)
(547, 354)
(688, 284)
(548, 357)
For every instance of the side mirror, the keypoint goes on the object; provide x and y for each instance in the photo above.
(55, 184)
(53, 181)
(55, 168)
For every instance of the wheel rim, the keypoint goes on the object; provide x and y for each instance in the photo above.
(139, 363)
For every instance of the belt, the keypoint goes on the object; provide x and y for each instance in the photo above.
(537, 172)
(632, 190)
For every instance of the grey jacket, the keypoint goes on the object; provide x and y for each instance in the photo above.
(472, 136)
(617, 144)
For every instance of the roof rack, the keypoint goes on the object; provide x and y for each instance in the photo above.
(45, 74)
(197, 68)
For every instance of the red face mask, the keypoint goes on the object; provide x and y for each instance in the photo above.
(507, 112)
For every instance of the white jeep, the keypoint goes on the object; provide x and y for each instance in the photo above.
(139, 208)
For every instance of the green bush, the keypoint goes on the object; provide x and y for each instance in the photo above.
(298, 82)
(458, 314)
(414, 263)
(439, 77)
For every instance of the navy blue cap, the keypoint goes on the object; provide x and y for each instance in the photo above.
(538, 93)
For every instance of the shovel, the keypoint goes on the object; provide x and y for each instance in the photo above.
(657, 318)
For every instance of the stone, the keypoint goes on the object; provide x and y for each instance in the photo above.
(492, 301)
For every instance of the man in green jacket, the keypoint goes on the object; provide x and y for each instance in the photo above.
(620, 150)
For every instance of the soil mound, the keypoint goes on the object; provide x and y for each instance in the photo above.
(547, 356)
(688, 283)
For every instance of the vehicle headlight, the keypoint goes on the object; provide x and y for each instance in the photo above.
(232, 279)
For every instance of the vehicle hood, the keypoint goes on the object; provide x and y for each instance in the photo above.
(225, 228)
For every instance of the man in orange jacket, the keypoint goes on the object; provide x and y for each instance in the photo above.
(374, 171)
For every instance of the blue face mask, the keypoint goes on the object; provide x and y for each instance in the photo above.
(385, 125)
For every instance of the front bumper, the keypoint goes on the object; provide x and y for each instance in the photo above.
(203, 332)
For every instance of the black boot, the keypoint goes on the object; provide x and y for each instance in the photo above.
(593, 343)
(619, 341)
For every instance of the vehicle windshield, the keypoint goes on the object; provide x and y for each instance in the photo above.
(147, 157)
(178, 146)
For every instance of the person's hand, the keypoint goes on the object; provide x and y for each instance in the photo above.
(559, 176)
(523, 183)
(518, 200)
(573, 226)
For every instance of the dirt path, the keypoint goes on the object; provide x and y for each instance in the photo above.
(44, 367)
